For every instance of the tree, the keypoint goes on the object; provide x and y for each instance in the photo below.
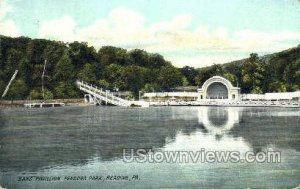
(64, 69)
(87, 74)
(65, 78)
(291, 75)
(190, 73)
(112, 55)
(13, 58)
(217, 69)
(2, 87)
(103, 84)
(134, 78)
(150, 87)
(208, 72)
(277, 86)
(230, 77)
(169, 77)
(256, 90)
(17, 90)
(252, 74)
(37, 93)
(65, 89)
(25, 71)
(156, 61)
(80, 53)
(113, 74)
(139, 57)
(150, 75)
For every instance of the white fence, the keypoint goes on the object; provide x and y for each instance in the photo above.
(272, 96)
(171, 94)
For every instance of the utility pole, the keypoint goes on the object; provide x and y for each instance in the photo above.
(43, 79)
(106, 93)
(9, 83)
(140, 95)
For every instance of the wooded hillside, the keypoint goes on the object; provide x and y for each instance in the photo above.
(110, 67)
(135, 70)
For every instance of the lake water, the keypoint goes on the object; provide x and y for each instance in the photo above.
(78, 143)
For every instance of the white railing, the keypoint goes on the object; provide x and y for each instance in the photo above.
(172, 94)
(287, 104)
(101, 95)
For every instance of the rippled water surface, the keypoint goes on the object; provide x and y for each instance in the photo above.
(89, 141)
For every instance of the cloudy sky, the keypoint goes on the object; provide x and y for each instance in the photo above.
(187, 32)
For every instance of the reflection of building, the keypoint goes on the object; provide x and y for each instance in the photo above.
(218, 87)
(218, 120)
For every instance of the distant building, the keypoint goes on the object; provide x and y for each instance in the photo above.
(219, 88)
(273, 96)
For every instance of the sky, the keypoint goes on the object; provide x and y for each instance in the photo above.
(195, 33)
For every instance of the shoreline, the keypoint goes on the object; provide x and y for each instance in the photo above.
(20, 103)
(81, 102)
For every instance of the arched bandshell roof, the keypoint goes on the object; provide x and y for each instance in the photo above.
(216, 79)
(233, 92)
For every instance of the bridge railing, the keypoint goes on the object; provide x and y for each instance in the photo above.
(103, 95)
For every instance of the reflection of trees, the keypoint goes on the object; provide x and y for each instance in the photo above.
(263, 129)
(70, 136)
(2, 119)
(257, 126)
(76, 135)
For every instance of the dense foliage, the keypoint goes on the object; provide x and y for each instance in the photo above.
(135, 70)
(110, 67)
(278, 72)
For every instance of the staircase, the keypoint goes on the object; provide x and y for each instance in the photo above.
(101, 95)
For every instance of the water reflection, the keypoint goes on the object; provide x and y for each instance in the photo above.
(262, 127)
(74, 136)
(218, 120)
(212, 133)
